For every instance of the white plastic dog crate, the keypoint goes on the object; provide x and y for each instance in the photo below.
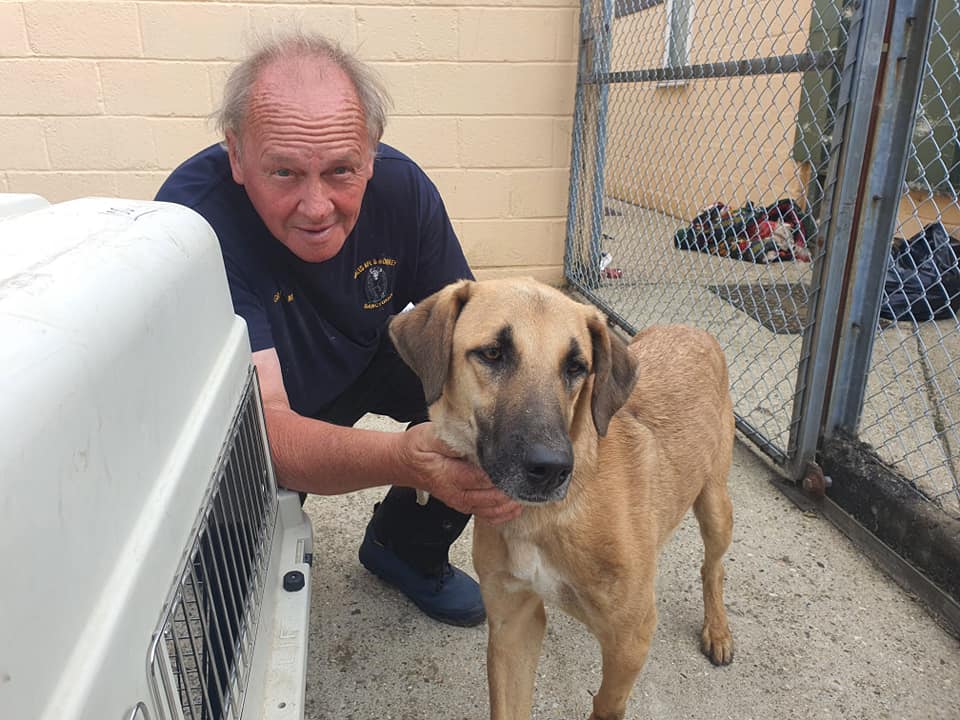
(149, 567)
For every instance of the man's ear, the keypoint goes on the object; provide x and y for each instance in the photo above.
(424, 336)
(233, 152)
(615, 372)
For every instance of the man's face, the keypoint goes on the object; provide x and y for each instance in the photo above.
(304, 156)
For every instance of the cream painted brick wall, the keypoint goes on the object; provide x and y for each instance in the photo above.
(13, 31)
(408, 33)
(28, 151)
(336, 21)
(140, 184)
(506, 141)
(59, 185)
(76, 143)
(432, 141)
(193, 31)
(518, 34)
(494, 88)
(218, 72)
(474, 194)
(178, 138)
(539, 193)
(105, 97)
(82, 29)
(562, 141)
(150, 87)
(37, 87)
(516, 242)
(551, 274)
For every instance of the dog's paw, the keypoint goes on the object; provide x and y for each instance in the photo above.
(717, 644)
(614, 716)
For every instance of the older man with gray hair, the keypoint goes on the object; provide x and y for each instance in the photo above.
(326, 233)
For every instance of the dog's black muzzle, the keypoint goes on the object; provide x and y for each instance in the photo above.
(546, 468)
(530, 462)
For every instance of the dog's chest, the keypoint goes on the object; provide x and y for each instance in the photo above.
(532, 571)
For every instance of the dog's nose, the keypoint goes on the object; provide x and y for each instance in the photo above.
(546, 466)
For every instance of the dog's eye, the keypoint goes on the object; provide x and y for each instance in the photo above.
(575, 369)
(491, 354)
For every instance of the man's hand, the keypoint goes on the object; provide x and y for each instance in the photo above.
(457, 483)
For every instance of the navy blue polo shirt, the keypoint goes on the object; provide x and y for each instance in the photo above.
(326, 319)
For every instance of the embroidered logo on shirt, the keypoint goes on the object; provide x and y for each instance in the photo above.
(377, 276)
(282, 295)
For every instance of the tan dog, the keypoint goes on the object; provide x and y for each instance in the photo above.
(608, 446)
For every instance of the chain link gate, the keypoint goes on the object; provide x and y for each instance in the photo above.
(746, 168)
(911, 402)
(679, 146)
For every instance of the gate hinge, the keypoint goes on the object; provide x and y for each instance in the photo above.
(815, 483)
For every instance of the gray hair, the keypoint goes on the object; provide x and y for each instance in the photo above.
(371, 92)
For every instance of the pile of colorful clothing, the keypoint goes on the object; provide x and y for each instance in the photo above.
(755, 233)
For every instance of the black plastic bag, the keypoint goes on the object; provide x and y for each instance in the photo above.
(923, 277)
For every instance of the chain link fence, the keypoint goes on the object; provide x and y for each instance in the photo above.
(687, 147)
(785, 175)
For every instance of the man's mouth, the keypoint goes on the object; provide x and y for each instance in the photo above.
(315, 230)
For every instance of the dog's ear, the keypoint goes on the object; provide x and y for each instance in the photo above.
(424, 335)
(615, 372)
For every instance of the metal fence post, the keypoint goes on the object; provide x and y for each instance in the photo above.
(593, 68)
(601, 69)
(576, 146)
(908, 44)
(859, 78)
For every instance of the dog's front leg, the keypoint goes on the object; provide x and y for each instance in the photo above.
(624, 650)
(515, 622)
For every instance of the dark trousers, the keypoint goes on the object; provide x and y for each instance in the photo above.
(420, 534)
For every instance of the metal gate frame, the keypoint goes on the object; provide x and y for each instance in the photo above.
(883, 83)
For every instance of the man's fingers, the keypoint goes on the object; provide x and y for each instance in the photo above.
(491, 505)
(486, 497)
(459, 483)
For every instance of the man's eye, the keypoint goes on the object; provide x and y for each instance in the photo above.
(341, 170)
(283, 172)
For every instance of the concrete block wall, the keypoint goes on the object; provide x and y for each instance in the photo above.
(106, 97)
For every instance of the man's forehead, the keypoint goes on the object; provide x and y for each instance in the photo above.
(293, 107)
(299, 76)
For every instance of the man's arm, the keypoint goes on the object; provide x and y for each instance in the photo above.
(318, 457)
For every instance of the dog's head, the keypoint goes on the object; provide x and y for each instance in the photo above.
(512, 370)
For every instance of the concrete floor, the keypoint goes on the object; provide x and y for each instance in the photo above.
(819, 631)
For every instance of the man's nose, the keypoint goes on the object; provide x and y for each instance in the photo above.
(316, 201)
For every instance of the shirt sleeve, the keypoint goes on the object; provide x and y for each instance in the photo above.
(250, 307)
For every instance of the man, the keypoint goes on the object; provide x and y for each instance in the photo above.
(326, 233)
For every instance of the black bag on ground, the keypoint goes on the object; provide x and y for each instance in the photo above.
(923, 277)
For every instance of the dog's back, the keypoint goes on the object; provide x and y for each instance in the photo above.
(681, 407)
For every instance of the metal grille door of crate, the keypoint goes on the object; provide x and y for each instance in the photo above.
(200, 660)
